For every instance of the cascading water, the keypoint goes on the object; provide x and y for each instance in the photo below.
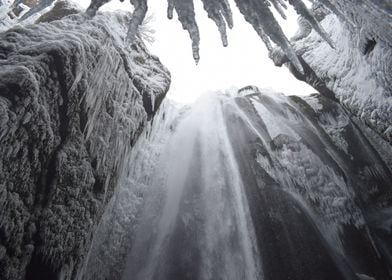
(204, 230)
(252, 186)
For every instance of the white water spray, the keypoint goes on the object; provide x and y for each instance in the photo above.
(204, 194)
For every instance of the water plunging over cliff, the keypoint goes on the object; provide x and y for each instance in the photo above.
(205, 227)
(256, 187)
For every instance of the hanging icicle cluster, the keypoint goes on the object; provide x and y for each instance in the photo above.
(257, 12)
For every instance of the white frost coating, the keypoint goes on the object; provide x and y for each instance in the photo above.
(275, 124)
(139, 65)
(361, 81)
(302, 10)
(313, 101)
(106, 259)
(68, 75)
(7, 21)
(335, 127)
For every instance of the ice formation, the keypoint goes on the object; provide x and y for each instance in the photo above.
(73, 101)
(358, 71)
(293, 186)
(259, 15)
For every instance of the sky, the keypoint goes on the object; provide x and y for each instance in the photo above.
(244, 62)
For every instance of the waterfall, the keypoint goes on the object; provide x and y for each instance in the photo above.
(204, 230)
(248, 185)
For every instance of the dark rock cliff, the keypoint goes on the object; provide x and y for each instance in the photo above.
(73, 101)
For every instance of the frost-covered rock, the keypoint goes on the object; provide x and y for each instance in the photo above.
(116, 231)
(358, 71)
(24, 12)
(60, 9)
(73, 100)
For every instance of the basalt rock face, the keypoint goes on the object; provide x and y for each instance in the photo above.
(358, 71)
(73, 101)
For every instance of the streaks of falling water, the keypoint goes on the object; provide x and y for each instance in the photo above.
(204, 230)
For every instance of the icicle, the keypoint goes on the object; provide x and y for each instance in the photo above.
(137, 18)
(282, 3)
(264, 37)
(256, 12)
(279, 8)
(260, 17)
(213, 9)
(170, 8)
(303, 11)
(186, 15)
(227, 14)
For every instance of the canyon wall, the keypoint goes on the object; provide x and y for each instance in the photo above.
(73, 100)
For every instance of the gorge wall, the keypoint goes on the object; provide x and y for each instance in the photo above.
(73, 101)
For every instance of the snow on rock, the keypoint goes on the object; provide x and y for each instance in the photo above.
(358, 71)
(60, 9)
(23, 12)
(73, 100)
